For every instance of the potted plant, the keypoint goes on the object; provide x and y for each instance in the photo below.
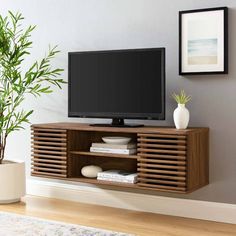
(181, 113)
(15, 84)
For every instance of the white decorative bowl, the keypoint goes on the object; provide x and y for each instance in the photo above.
(116, 140)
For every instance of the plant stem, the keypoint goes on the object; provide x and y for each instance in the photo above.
(3, 146)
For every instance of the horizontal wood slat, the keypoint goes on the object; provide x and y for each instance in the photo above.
(174, 167)
(55, 139)
(161, 162)
(49, 152)
(160, 156)
(158, 181)
(48, 147)
(171, 172)
(38, 164)
(164, 146)
(45, 143)
(49, 156)
(173, 162)
(152, 150)
(49, 130)
(158, 186)
(50, 170)
(49, 161)
(38, 173)
(38, 151)
(148, 175)
(44, 134)
(156, 140)
(165, 136)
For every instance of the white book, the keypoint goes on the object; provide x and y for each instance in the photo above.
(115, 151)
(117, 180)
(110, 175)
(118, 174)
(115, 146)
(118, 177)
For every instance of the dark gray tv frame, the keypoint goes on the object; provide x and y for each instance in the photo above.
(118, 118)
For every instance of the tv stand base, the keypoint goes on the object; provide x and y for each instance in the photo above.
(118, 122)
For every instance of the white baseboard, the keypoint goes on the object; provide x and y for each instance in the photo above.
(213, 211)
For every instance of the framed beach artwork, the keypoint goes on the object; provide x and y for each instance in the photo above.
(203, 41)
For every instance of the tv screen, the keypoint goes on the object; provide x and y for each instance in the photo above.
(117, 84)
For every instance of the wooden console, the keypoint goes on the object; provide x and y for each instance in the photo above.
(167, 160)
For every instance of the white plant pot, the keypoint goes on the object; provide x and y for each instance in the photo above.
(181, 117)
(12, 181)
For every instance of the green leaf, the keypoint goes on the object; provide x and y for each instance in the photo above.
(15, 45)
(181, 98)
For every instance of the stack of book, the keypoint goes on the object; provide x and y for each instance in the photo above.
(128, 149)
(118, 176)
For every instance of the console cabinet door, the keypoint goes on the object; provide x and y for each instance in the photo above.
(162, 162)
(49, 152)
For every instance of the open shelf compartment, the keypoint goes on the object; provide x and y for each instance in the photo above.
(80, 156)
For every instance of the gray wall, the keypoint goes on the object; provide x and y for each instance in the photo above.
(108, 24)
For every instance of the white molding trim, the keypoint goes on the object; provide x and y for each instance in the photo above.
(220, 212)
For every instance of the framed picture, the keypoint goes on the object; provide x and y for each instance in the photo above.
(203, 41)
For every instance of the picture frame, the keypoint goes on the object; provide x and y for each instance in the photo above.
(203, 41)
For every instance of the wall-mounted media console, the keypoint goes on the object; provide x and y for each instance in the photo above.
(167, 159)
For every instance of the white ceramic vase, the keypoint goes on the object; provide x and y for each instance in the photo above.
(181, 117)
(12, 181)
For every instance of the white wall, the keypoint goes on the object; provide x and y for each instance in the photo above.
(108, 24)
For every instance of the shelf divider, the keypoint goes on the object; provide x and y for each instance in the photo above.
(101, 154)
(102, 182)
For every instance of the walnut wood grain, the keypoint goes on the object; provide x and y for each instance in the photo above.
(161, 171)
(40, 164)
(164, 146)
(159, 156)
(48, 175)
(162, 187)
(156, 140)
(168, 159)
(94, 154)
(49, 152)
(140, 130)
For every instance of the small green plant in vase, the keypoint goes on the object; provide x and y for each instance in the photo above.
(181, 113)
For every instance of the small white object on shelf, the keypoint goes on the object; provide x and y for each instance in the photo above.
(114, 151)
(118, 176)
(115, 146)
(181, 117)
(91, 171)
(116, 140)
(118, 180)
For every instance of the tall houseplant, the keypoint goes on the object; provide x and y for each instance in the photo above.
(15, 82)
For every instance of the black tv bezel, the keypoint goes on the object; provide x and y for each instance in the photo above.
(111, 115)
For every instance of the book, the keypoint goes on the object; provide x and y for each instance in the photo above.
(118, 180)
(118, 174)
(121, 176)
(112, 150)
(115, 146)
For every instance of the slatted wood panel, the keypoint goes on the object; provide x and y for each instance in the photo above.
(162, 161)
(49, 152)
(168, 159)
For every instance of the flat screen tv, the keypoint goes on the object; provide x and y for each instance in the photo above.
(117, 84)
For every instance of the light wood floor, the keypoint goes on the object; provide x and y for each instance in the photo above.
(138, 223)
